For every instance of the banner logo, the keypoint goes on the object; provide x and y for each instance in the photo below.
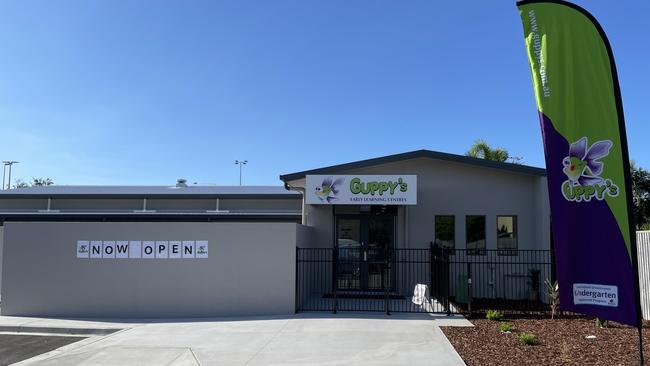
(583, 169)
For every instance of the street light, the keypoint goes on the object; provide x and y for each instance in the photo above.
(240, 163)
(10, 163)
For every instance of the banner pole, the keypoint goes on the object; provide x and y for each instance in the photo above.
(630, 201)
(627, 174)
(641, 343)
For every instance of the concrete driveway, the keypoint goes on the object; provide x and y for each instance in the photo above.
(303, 339)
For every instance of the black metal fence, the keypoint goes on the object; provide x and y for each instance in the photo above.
(510, 281)
(355, 279)
(432, 280)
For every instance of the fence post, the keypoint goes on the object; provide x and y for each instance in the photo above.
(386, 271)
(335, 281)
(447, 282)
(469, 288)
(296, 274)
(433, 286)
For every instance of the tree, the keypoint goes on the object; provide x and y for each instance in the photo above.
(42, 182)
(482, 150)
(36, 182)
(640, 196)
(20, 184)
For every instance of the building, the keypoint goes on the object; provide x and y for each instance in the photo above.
(213, 251)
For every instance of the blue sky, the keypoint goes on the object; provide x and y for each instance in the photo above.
(116, 92)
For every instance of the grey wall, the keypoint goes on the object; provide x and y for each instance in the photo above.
(450, 188)
(1, 251)
(81, 204)
(257, 204)
(166, 204)
(250, 271)
(23, 204)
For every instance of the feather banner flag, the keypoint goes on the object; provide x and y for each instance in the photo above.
(581, 115)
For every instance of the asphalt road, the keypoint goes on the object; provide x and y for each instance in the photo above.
(18, 347)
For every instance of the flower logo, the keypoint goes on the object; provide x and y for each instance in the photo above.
(582, 166)
(583, 169)
(328, 190)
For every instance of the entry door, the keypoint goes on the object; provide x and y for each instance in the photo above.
(362, 247)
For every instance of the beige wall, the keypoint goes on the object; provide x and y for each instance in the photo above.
(449, 188)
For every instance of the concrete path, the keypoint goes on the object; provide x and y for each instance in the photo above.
(303, 339)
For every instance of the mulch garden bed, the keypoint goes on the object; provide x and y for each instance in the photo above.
(560, 342)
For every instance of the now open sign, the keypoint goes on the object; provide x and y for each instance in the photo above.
(142, 249)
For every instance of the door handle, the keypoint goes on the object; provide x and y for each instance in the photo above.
(365, 256)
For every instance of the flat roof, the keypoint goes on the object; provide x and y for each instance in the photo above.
(429, 154)
(192, 191)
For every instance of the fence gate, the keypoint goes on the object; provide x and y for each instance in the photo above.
(380, 280)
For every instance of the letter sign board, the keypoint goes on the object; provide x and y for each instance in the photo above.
(136, 249)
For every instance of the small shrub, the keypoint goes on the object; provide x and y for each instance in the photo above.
(528, 339)
(553, 292)
(600, 323)
(494, 315)
(506, 327)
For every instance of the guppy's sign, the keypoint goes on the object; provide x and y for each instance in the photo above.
(136, 249)
(361, 190)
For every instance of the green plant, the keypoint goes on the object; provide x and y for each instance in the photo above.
(506, 327)
(481, 149)
(600, 323)
(553, 292)
(494, 315)
(528, 339)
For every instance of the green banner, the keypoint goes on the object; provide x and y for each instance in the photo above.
(581, 115)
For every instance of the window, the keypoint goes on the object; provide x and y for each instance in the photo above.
(445, 232)
(507, 235)
(475, 234)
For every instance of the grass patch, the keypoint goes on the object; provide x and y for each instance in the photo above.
(528, 339)
(494, 315)
(506, 327)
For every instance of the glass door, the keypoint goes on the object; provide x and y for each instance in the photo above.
(363, 242)
(380, 241)
(350, 244)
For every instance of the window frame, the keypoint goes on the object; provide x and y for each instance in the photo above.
(515, 224)
(482, 251)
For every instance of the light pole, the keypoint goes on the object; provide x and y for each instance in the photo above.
(10, 163)
(241, 163)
